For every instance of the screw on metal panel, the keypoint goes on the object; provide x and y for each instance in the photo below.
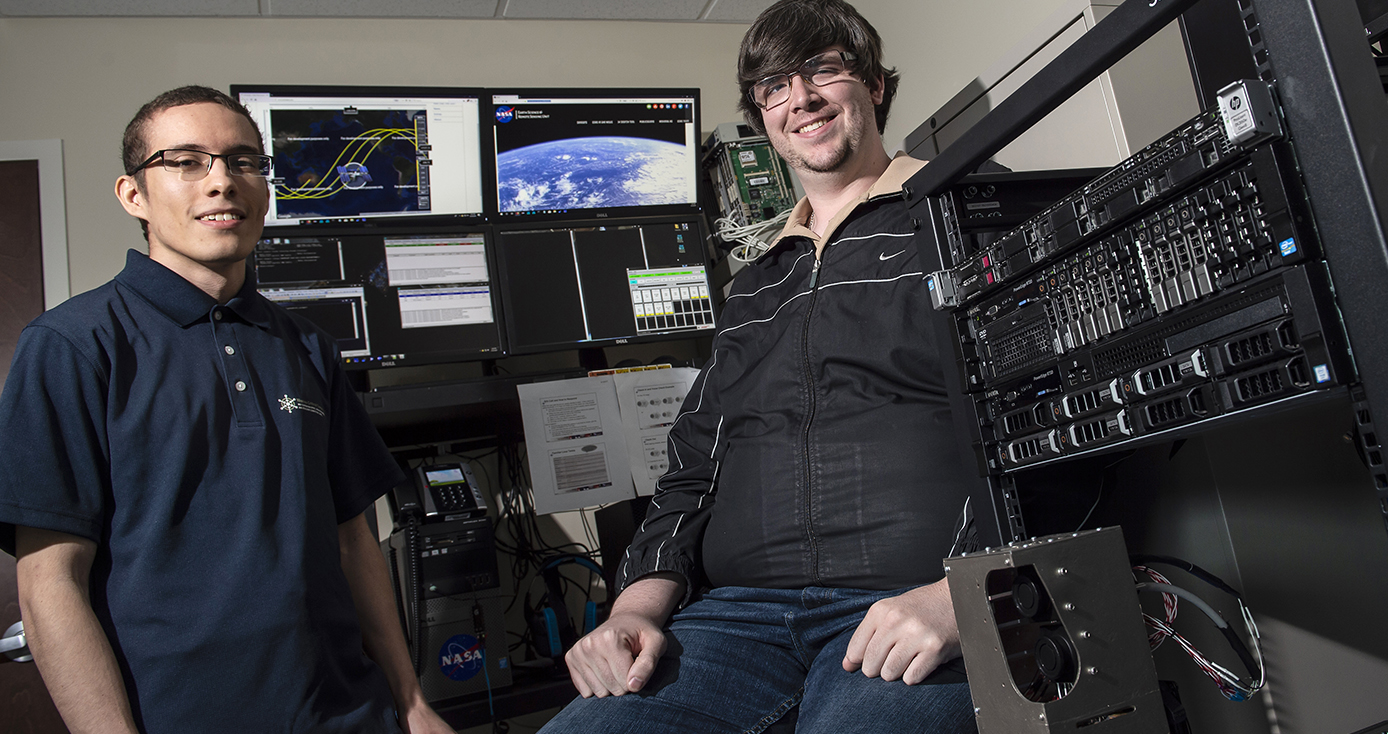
(1068, 606)
(1084, 634)
(1092, 670)
(1062, 571)
(977, 709)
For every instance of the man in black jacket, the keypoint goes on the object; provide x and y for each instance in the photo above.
(816, 486)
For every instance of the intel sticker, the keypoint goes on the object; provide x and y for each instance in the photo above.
(1288, 246)
(1322, 373)
(461, 657)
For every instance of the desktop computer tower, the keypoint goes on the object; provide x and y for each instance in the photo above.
(462, 634)
(464, 640)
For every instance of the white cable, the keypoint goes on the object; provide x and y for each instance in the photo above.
(1252, 628)
(749, 236)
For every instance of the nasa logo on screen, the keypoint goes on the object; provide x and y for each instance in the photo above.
(460, 658)
(505, 114)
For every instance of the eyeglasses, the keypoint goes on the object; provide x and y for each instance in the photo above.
(194, 165)
(826, 68)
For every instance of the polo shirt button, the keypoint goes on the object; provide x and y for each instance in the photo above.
(240, 386)
(217, 315)
(229, 350)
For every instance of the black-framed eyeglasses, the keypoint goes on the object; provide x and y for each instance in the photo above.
(825, 68)
(194, 165)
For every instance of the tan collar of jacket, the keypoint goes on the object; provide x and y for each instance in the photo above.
(901, 169)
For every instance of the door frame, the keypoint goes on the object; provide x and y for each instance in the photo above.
(52, 211)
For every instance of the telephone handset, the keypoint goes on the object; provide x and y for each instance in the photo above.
(449, 492)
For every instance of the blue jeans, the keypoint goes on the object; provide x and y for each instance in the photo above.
(742, 660)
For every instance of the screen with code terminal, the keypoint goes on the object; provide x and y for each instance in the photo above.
(389, 297)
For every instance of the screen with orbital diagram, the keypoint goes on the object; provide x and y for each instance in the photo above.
(352, 155)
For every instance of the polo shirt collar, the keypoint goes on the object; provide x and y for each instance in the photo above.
(249, 304)
(182, 302)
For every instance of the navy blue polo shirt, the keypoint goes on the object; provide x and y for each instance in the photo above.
(211, 452)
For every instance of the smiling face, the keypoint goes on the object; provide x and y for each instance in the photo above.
(826, 129)
(204, 227)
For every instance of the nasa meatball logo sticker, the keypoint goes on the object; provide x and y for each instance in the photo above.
(460, 658)
(505, 114)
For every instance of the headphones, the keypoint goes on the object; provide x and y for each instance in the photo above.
(554, 631)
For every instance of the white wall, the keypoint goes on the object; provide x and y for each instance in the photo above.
(82, 79)
(939, 46)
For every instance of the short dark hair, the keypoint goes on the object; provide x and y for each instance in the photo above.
(790, 31)
(134, 147)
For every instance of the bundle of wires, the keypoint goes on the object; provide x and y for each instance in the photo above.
(1230, 684)
(523, 539)
(751, 238)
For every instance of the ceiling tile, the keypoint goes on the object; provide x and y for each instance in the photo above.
(100, 8)
(606, 9)
(736, 11)
(378, 9)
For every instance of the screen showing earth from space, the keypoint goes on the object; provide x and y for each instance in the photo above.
(593, 173)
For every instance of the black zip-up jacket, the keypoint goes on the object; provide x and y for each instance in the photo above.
(816, 447)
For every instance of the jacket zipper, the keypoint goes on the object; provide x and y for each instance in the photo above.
(809, 416)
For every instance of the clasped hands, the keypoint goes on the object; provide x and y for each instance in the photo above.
(905, 637)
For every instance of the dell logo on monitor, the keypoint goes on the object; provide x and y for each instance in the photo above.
(505, 114)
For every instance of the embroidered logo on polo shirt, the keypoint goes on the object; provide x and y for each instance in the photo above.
(289, 405)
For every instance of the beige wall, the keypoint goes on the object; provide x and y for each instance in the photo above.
(939, 46)
(81, 79)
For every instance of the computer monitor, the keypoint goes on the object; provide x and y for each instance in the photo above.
(590, 284)
(390, 296)
(364, 155)
(567, 154)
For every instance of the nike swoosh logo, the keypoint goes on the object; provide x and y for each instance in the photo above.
(885, 256)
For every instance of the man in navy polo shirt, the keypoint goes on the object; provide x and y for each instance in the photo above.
(184, 474)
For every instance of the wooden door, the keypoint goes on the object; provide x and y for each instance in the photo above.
(25, 707)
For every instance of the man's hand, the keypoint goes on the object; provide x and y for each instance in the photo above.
(906, 637)
(422, 720)
(368, 578)
(620, 655)
(69, 644)
(616, 658)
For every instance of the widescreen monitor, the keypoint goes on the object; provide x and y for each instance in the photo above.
(566, 154)
(371, 155)
(390, 296)
(593, 284)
